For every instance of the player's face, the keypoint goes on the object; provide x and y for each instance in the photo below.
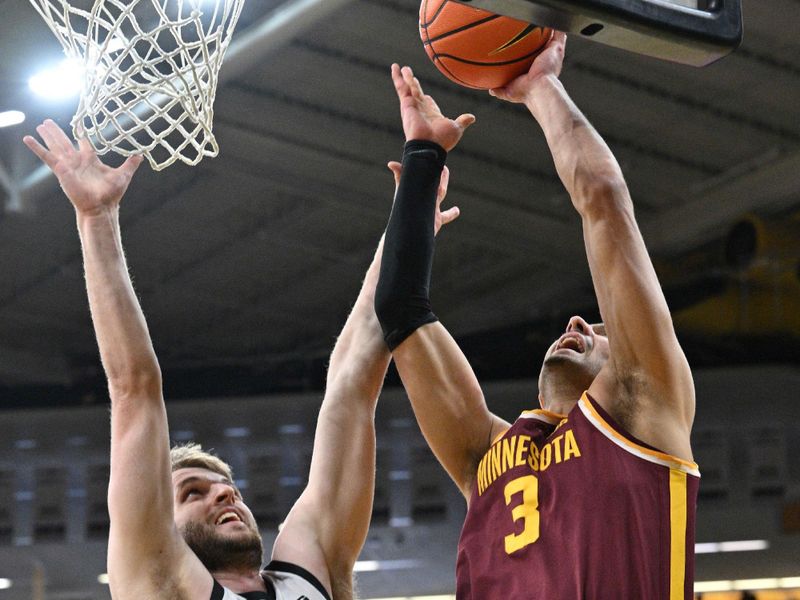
(578, 354)
(214, 520)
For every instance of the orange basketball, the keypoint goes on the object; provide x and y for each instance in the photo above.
(476, 48)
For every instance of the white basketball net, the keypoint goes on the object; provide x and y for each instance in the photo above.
(150, 72)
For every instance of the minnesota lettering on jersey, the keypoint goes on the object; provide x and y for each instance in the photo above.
(517, 450)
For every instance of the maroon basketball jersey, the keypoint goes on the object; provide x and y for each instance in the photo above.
(575, 508)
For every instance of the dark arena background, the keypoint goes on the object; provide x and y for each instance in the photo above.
(247, 266)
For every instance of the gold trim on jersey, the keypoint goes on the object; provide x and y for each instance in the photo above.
(654, 456)
(538, 414)
(677, 526)
(499, 436)
(543, 415)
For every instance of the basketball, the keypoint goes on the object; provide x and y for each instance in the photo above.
(476, 48)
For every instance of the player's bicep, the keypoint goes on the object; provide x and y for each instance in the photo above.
(447, 401)
(299, 543)
(140, 486)
(341, 480)
(164, 568)
(641, 335)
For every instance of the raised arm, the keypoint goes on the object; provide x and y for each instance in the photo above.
(328, 524)
(142, 536)
(646, 362)
(447, 400)
(327, 527)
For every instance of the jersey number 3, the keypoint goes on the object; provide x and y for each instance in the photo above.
(527, 512)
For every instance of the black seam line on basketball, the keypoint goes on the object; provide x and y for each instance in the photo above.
(438, 12)
(424, 31)
(516, 39)
(460, 29)
(486, 100)
(489, 64)
(700, 105)
(458, 79)
(454, 76)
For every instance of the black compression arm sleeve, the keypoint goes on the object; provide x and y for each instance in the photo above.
(402, 298)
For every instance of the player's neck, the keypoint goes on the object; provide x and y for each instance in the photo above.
(240, 581)
(561, 397)
(562, 407)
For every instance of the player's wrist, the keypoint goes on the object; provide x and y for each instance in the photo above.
(539, 87)
(426, 148)
(101, 214)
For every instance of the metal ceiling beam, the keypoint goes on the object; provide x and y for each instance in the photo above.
(18, 366)
(245, 53)
(520, 232)
(9, 185)
(773, 186)
(287, 22)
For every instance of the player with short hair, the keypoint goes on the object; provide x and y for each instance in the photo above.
(594, 494)
(179, 526)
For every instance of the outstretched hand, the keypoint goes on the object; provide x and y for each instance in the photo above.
(441, 217)
(422, 118)
(548, 62)
(90, 185)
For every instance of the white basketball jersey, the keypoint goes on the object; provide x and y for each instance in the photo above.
(285, 581)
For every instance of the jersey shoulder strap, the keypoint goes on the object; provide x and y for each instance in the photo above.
(293, 582)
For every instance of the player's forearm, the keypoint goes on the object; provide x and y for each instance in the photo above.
(122, 336)
(402, 297)
(343, 462)
(360, 357)
(583, 161)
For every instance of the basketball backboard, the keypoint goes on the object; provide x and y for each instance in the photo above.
(692, 32)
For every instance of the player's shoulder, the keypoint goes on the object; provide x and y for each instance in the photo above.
(293, 582)
(538, 419)
(284, 581)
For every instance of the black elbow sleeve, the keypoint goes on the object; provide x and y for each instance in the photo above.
(402, 301)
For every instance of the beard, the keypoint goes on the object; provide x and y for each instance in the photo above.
(219, 552)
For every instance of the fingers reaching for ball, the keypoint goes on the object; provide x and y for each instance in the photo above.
(421, 115)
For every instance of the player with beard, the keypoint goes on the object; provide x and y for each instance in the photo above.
(593, 495)
(179, 526)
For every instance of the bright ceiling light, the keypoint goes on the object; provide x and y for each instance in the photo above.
(756, 584)
(767, 583)
(735, 546)
(362, 566)
(60, 82)
(103, 578)
(11, 117)
(743, 546)
(4, 583)
(713, 586)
